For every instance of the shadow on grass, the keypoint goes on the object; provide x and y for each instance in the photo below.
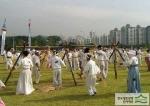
(73, 97)
(10, 93)
(145, 84)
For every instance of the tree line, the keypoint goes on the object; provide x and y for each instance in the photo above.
(39, 40)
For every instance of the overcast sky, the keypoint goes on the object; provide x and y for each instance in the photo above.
(72, 17)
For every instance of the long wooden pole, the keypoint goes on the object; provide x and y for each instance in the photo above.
(71, 69)
(115, 61)
(120, 55)
(12, 69)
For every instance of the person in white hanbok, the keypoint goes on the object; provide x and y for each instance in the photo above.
(75, 60)
(49, 55)
(25, 85)
(102, 60)
(125, 56)
(36, 67)
(133, 80)
(9, 60)
(68, 60)
(90, 72)
(56, 63)
(83, 60)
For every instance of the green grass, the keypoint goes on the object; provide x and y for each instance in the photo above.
(70, 95)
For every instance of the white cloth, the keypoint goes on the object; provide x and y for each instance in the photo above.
(84, 60)
(49, 58)
(133, 61)
(56, 62)
(91, 68)
(36, 66)
(90, 72)
(25, 85)
(17, 55)
(75, 60)
(9, 60)
(68, 58)
(102, 60)
(2, 84)
(29, 56)
(57, 79)
(126, 57)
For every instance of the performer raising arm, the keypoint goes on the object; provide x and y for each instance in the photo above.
(56, 63)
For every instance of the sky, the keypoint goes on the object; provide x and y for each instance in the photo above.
(72, 17)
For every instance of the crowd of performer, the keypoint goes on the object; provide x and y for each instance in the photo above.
(89, 63)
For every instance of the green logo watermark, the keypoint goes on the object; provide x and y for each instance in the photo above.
(132, 99)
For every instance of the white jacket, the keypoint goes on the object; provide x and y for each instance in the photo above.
(56, 62)
(91, 68)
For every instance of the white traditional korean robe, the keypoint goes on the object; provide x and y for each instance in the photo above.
(9, 60)
(102, 62)
(75, 60)
(56, 63)
(25, 85)
(36, 70)
(133, 81)
(90, 72)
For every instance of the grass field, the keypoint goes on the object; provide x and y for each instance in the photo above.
(70, 95)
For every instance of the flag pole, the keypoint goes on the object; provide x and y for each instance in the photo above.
(29, 33)
(3, 36)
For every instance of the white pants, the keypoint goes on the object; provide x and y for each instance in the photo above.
(57, 80)
(75, 63)
(103, 67)
(91, 81)
(36, 74)
(9, 64)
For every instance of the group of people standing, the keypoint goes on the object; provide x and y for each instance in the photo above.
(92, 64)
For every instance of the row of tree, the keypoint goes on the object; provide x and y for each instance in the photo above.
(39, 40)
